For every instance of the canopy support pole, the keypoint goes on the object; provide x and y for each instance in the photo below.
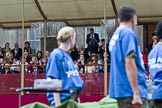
(105, 55)
(45, 35)
(45, 22)
(22, 62)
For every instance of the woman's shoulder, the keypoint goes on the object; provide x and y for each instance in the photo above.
(56, 53)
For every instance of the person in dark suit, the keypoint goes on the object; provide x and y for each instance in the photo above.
(92, 41)
(2, 69)
(27, 48)
(102, 49)
(27, 57)
(87, 53)
(1, 53)
(36, 69)
(17, 52)
(81, 62)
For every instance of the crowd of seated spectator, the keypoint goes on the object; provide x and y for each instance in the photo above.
(11, 59)
(89, 62)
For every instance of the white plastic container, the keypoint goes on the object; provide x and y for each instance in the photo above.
(47, 84)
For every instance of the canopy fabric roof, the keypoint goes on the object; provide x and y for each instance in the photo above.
(74, 12)
(148, 11)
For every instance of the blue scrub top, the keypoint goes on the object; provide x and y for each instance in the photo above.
(61, 66)
(155, 69)
(123, 42)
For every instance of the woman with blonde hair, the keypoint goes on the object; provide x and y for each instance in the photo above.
(61, 66)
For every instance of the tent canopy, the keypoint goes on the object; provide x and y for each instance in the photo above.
(74, 12)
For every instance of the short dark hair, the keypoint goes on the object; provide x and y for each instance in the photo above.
(27, 43)
(153, 34)
(102, 40)
(126, 13)
(91, 29)
(159, 30)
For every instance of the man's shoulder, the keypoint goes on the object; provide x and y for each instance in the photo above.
(127, 30)
(88, 34)
(127, 33)
(95, 33)
(13, 49)
(20, 48)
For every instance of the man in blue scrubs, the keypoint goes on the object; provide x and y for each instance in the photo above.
(127, 72)
(155, 68)
(61, 66)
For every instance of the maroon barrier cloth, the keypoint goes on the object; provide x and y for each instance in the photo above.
(94, 83)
